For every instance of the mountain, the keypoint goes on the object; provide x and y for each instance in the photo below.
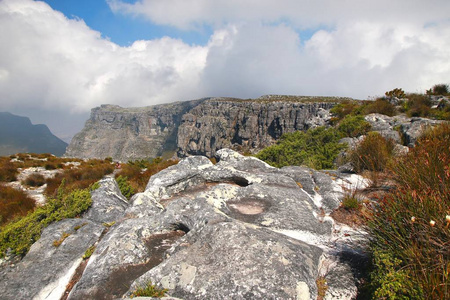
(197, 127)
(18, 134)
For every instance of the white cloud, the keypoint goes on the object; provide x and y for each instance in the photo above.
(49, 62)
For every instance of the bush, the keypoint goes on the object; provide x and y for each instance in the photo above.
(8, 171)
(125, 187)
(372, 154)
(13, 203)
(411, 225)
(21, 234)
(398, 93)
(380, 106)
(149, 290)
(346, 108)
(418, 105)
(35, 179)
(137, 177)
(317, 148)
(353, 126)
(439, 89)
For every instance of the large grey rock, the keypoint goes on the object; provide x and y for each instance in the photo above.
(413, 129)
(197, 127)
(108, 203)
(46, 270)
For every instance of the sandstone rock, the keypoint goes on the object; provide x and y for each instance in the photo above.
(47, 268)
(198, 127)
(108, 203)
(239, 229)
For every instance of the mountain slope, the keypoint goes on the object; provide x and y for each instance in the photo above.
(18, 134)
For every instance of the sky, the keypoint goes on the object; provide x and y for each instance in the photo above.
(61, 58)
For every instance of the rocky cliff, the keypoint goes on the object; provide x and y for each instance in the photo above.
(129, 133)
(239, 229)
(196, 127)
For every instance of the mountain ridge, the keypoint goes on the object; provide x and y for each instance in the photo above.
(18, 134)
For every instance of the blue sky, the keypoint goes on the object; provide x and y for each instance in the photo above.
(61, 58)
(120, 29)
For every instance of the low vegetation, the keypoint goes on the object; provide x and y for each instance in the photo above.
(149, 290)
(19, 235)
(410, 226)
(316, 148)
(134, 175)
(13, 204)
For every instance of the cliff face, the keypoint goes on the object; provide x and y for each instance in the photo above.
(129, 133)
(199, 127)
(247, 125)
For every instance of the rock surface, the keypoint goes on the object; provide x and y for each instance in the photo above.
(198, 127)
(239, 229)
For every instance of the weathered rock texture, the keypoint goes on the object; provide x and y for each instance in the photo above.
(199, 127)
(129, 133)
(239, 229)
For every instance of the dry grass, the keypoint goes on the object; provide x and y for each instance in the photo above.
(13, 204)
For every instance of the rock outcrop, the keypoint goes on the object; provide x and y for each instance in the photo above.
(239, 229)
(199, 127)
(129, 133)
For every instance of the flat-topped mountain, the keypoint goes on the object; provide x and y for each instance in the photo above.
(199, 127)
(18, 134)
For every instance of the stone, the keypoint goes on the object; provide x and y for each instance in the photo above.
(108, 203)
(46, 270)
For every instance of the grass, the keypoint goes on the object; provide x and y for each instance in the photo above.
(20, 234)
(410, 227)
(13, 203)
(149, 290)
(134, 175)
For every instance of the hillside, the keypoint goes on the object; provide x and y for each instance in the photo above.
(18, 134)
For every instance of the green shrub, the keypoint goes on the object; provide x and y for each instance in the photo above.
(350, 202)
(372, 154)
(353, 126)
(316, 148)
(149, 290)
(21, 234)
(411, 225)
(125, 188)
(346, 108)
(89, 251)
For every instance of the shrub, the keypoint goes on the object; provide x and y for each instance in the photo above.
(418, 105)
(346, 108)
(410, 227)
(125, 188)
(89, 251)
(316, 148)
(380, 106)
(13, 203)
(21, 234)
(8, 171)
(439, 89)
(35, 179)
(372, 154)
(137, 177)
(149, 290)
(350, 202)
(398, 93)
(353, 126)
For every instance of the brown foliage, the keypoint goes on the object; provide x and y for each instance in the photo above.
(13, 203)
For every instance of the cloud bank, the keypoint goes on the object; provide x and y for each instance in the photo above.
(53, 63)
